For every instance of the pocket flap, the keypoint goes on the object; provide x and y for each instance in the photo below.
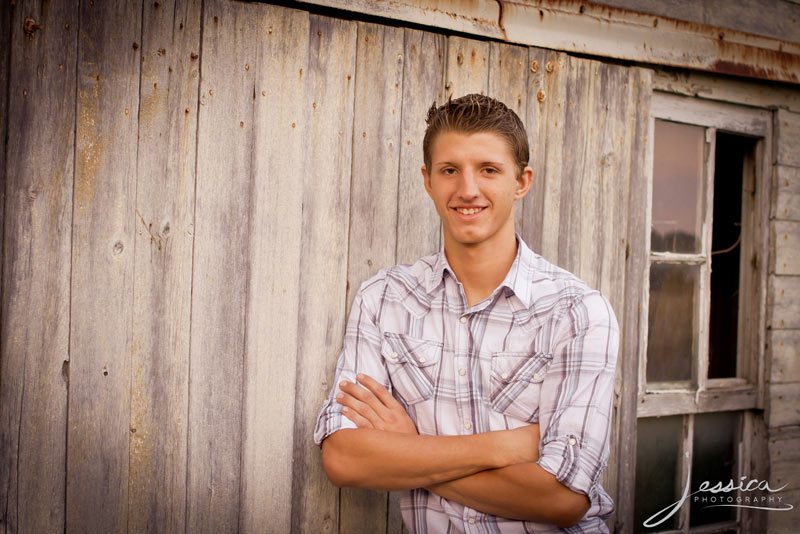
(400, 348)
(520, 366)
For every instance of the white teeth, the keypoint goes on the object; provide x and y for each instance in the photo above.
(468, 211)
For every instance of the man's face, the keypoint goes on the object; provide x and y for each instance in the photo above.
(473, 183)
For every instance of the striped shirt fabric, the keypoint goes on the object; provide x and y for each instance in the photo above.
(540, 349)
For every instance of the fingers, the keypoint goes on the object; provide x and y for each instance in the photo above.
(378, 389)
(355, 417)
(362, 402)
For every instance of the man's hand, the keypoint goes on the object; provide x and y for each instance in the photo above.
(372, 406)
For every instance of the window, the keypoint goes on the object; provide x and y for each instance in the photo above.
(700, 382)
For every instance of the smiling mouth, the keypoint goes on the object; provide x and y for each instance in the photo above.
(468, 211)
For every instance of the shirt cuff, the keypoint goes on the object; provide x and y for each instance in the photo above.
(561, 457)
(330, 420)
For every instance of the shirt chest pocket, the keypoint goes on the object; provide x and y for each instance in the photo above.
(516, 383)
(413, 365)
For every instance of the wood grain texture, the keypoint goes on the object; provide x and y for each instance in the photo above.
(623, 447)
(787, 202)
(787, 247)
(275, 191)
(323, 260)
(221, 249)
(595, 177)
(376, 153)
(783, 302)
(545, 127)
(784, 456)
(787, 138)
(103, 250)
(784, 523)
(785, 363)
(423, 74)
(38, 179)
(373, 203)
(467, 68)
(783, 407)
(710, 86)
(164, 221)
(508, 76)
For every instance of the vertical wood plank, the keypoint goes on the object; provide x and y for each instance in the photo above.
(622, 463)
(546, 111)
(467, 67)
(595, 177)
(323, 261)
(164, 221)
(376, 153)
(219, 281)
(373, 203)
(423, 75)
(103, 266)
(38, 178)
(508, 76)
(280, 130)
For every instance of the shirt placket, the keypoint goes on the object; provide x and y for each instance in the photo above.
(457, 309)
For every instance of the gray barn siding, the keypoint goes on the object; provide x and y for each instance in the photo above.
(195, 189)
(784, 317)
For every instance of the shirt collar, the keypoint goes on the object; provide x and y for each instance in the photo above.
(517, 280)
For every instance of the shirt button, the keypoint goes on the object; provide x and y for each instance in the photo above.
(467, 425)
(394, 355)
(422, 360)
(504, 376)
(471, 521)
(572, 441)
(537, 376)
(462, 372)
(463, 320)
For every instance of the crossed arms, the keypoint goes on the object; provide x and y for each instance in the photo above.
(493, 472)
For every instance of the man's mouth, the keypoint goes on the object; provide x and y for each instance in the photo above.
(469, 211)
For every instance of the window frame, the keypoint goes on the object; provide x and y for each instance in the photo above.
(746, 392)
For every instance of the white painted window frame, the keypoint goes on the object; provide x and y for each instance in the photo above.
(702, 395)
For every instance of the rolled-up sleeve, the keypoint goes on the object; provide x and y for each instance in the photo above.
(577, 395)
(360, 354)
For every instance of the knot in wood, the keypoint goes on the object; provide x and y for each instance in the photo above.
(549, 66)
(534, 66)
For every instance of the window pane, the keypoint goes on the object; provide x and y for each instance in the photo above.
(726, 253)
(677, 187)
(658, 452)
(670, 338)
(716, 439)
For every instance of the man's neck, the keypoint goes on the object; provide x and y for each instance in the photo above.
(481, 268)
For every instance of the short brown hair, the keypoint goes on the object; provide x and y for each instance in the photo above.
(477, 113)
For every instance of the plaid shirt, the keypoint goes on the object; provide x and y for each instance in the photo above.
(541, 349)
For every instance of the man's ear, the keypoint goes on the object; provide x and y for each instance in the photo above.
(427, 179)
(524, 183)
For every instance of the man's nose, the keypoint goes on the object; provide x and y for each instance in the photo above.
(468, 185)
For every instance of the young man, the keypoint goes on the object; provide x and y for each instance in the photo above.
(500, 365)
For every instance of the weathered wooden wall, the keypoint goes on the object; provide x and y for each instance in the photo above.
(194, 189)
(784, 317)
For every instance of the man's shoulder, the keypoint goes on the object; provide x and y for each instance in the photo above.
(399, 280)
(546, 277)
(553, 287)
